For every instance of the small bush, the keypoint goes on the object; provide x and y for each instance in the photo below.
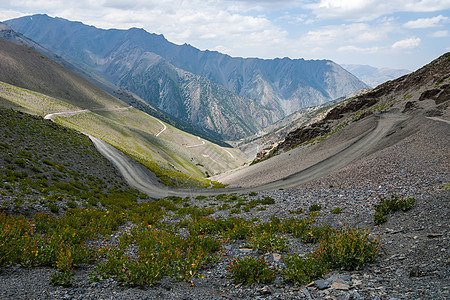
(336, 211)
(53, 207)
(315, 207)
(303, 270)
(349, 249)
(72, 204)
(250, 270)
(385, 207)
(62, 279)
(267, 241)
(267, 201)
(20, 162)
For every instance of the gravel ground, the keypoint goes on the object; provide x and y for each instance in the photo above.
(413, 262)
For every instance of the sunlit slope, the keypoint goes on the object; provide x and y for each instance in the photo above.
(171, 154)
(134, 132)
(26, 68)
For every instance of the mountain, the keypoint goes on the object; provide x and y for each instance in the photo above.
(32, 82)
(400, 125)
(407, 93)
(161, 72)
(11, 35)
(374, 76)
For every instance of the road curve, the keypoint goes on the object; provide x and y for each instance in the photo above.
(142, 179)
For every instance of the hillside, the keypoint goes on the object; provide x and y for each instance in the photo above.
(271, 89)
(406, 93)
(39, 85)
(364, 215)
(371, 122)
(39, 158)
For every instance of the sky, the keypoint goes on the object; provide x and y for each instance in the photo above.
(398, 34)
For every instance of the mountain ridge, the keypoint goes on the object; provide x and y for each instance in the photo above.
(31, 80)
(279, 86)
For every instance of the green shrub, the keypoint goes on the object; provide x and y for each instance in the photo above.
(303, 270)
(62, 279)
(72, 204)
(235, 211)
(385, 207)
(20, 162)
(298, 228)
(315, 207)
(336, 210)
(348, 249)
(316, 234)
(267, 241)
(250, 270)
(53, 207)
(267, 201)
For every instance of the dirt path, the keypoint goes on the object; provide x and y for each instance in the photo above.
(137, 176)
(163, 129)
(197, 145)
(83, 111)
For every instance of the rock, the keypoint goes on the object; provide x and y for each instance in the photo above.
(339, 284)
(276, 256)
(265, 290)
(434, 235)
(416, 272)
(322, 284)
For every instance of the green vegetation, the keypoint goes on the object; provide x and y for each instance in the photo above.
(250, 270)
(84, 203)
(386, 206)
(336, 210)
(133, 132)
(315, 207)
(348, 249)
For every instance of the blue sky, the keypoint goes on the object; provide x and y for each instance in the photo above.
(393, 33)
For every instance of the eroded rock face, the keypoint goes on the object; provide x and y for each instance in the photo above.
(242, 95)
(406, 93)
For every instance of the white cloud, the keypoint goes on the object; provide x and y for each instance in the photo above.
(425, 22)
(348, 33)
(440, 34)
(351, 48)
(364, 10)
(410, 43)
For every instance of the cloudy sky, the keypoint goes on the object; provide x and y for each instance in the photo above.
(382, 33)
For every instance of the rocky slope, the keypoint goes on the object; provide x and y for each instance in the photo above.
(425, 91)
(279, 86)
(190, 98)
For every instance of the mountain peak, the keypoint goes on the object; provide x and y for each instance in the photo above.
(128, 57)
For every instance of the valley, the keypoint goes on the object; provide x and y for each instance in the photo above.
(348, 199)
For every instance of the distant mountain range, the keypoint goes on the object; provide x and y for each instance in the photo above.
(213, 92)
(374, 76)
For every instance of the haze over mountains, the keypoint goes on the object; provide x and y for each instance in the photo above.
(374, 76)
(234, 97)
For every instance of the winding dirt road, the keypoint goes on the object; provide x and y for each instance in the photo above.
(145, 181)
(83, 111)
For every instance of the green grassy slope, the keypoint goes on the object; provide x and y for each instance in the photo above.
(175, 156)
(45, 166)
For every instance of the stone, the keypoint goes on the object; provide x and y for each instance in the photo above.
(340, 285)
(322, 284)
(276, 256)
(265, 290)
